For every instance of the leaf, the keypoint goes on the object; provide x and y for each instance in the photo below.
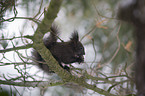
(98, 24)
(127, 47)
(89, 37)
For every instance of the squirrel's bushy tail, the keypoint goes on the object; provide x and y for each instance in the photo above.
(37, 59)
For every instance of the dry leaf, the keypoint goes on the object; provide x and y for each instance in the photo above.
(98, 24)
(128, 46)
(89, 37)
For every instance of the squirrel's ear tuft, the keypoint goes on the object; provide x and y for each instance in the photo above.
(75, 36)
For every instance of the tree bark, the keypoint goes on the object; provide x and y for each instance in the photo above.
(134, 13)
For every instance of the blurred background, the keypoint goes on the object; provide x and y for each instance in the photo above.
(108, 43)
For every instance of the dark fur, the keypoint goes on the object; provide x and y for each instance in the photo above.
(64, 52)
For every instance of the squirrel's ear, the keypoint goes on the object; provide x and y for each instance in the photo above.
(75, 37)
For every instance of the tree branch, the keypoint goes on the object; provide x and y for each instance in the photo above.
(16, 48)
(32, 83)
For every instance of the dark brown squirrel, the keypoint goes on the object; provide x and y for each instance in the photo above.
(64, 52)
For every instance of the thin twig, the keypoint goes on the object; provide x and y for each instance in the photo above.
(16, 48)
(116, 52)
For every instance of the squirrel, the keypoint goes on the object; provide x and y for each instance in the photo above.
(64, 52)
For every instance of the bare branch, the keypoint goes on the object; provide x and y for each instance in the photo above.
(16, 48)
(32, 83)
